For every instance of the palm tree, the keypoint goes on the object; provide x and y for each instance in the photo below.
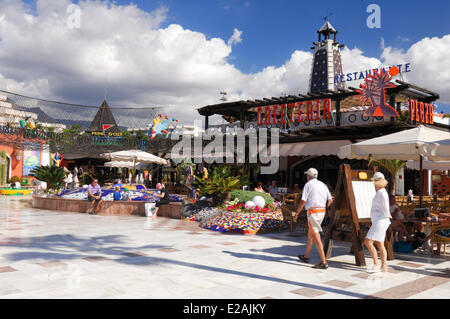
(392, 166)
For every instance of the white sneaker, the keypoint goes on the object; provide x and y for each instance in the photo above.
(374, 268)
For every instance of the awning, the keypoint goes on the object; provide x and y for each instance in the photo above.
(312, 148)
(439, 165)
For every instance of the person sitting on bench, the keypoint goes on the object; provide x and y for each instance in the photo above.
(95, 197)
(164, 195)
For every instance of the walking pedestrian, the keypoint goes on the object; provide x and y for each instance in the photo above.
(380, 217)
(315, 199)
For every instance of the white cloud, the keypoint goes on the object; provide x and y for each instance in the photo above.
(430, 63)
(145, 65)
(235, 38)
(403, 39)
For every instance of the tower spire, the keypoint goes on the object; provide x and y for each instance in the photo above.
(327, 64)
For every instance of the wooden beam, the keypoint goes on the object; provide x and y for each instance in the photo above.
(418, 88)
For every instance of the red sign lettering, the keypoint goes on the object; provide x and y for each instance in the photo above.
(283, 114)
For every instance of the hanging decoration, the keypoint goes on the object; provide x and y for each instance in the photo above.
(159, 126)
(57, 158)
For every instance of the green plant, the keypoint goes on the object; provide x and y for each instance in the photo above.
(391, 166)
(3, 168)
(403, 117)
(54, 176)
(126, 134)
(86, 178)
(219, 184)
(15, 179)
(245, 196)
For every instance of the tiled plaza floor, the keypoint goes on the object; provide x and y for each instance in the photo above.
(46, 254)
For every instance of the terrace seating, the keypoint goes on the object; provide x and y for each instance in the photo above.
(437, 238)
(293, 199)
(288, 217)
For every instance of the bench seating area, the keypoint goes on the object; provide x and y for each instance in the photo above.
(120, 208)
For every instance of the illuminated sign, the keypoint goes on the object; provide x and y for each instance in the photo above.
(307, 111)
(362, 175)
(420, 112)
(110, 134)
(362, 75)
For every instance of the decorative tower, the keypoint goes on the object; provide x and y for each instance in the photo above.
(103, 120)
(327, 64)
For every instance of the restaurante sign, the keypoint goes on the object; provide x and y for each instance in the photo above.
(362, 75)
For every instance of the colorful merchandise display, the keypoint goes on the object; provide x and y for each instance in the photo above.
(136, 192)
(247, 223)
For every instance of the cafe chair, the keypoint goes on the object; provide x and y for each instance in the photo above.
(438, 238)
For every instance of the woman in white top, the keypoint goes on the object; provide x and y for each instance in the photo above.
(68, 180)
(380, 217)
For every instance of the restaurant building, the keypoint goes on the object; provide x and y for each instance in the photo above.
(314, 125)
(22, 148)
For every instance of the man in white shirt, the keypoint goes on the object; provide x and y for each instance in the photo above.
(315, 198)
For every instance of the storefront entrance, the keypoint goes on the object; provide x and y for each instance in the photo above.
(328, 167)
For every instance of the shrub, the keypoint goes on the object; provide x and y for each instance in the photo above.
(15, 179)
(245, 196)
(54, 176)
(86, 178)
(218, 185)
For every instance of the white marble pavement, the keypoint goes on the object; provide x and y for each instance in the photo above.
(47, 254)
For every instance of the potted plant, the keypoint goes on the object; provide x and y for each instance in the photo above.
(219, 185)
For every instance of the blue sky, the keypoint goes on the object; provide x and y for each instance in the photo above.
(273, 30)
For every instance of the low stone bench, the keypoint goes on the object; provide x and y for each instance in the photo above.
(119, 208)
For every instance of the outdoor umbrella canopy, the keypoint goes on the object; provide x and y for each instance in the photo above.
(135, 156)
(438, 166)
(124, 164)
(413, 144)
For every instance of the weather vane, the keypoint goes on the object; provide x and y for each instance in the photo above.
(327, 16)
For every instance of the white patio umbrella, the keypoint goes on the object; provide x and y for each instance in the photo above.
(438, 166)
(413, 144)
(406, 145)
(135, 156)
(124, 164)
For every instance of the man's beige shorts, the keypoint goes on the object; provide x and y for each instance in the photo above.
(315, 220)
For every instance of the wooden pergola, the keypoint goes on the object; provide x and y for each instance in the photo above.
(342, 101)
